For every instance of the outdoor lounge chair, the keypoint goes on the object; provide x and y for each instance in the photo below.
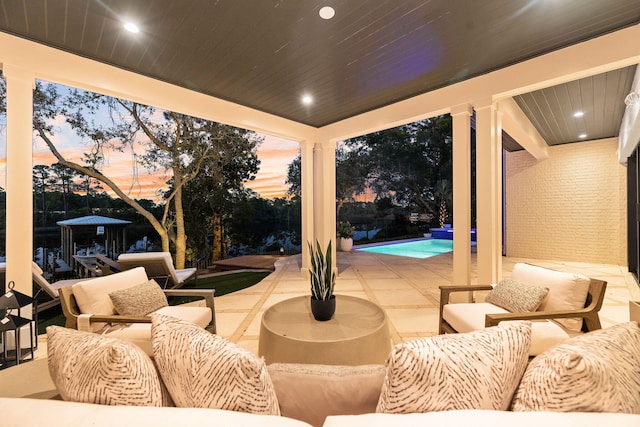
(159, 266)
(88, 306)
(41, 284)
(549, 321)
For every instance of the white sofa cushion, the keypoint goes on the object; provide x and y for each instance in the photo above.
(567, 291)
(139, 300)
(475, 418)
(467, 317)
(86, 367)
(92, 295)
(594, 372)
(203, 370)
(476, 370)
(39, 413)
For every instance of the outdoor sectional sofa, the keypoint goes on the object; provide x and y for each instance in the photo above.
(481, 378)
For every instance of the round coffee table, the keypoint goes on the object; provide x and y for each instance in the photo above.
(357, 334)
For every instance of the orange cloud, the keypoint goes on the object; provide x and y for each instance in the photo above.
(275, 155)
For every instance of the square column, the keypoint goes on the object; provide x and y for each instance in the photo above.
(19, 224)
(324, 194)
(461, 150)
(307, 200)
(488, 191)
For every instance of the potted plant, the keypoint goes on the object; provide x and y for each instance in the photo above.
(323, 279)
(345, 234)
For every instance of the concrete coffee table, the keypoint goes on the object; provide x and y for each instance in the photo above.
(357, 334)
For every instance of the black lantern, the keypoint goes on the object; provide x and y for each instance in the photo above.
(10, 322)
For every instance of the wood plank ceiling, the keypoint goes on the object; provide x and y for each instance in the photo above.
(265, 54)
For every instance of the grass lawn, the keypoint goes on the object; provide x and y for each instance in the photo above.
(223, 284)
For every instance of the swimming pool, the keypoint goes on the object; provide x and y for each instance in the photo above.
(424, 248)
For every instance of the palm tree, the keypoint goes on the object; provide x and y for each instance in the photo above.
(443, 193)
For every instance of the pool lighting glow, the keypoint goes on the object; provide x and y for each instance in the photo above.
(413, 249)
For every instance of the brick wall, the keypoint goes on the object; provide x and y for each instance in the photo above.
(570, 206)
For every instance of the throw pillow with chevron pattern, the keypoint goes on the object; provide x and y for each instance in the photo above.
(594, 372)
(203, 370)
(90, 368)
(476, 370)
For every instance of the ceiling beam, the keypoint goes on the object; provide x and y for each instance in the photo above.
(516, 124)
(56, 66)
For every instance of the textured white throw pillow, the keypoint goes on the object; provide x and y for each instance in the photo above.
(139, 300)
(476, 370)
(203, 370)
(91, 368)
(516, 297)
(595, 372)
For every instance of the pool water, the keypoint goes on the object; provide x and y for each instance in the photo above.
(414, 249)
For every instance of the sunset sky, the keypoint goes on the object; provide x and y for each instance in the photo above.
(274, 153)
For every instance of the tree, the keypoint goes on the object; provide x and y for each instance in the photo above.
(443, 193)
(407, 161)
(173, 142)
(212, 194)
(294, 177)
(352, 170)
(41, 178)
(62, 180)
(351, 176)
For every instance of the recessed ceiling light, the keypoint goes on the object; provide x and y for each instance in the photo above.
(327, 12)
(131, 27)
(578, 114)
(307, 99)
(582, 136)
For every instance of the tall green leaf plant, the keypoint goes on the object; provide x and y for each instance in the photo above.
(323, 278)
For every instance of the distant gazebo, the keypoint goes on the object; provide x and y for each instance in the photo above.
(110, 230)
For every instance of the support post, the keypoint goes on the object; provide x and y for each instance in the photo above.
(307, 200)
(461, 148)
(488, 191)
(19, 226)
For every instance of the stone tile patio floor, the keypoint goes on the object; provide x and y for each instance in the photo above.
(407, 289)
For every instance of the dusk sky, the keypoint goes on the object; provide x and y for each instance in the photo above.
(275, 155)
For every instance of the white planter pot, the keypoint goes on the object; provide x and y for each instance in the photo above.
(345, 244)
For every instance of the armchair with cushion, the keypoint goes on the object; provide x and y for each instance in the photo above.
(119, 305)
(560, 305)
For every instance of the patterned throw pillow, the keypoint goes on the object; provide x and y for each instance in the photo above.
(595, 372)
(91, 368)
(139, 300)
(516, 297)
(203, 370)
(476, 370)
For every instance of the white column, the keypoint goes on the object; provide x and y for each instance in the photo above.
(307, 200)
(19, 225)
(324, 181)
(489, 191)
(461, 148)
